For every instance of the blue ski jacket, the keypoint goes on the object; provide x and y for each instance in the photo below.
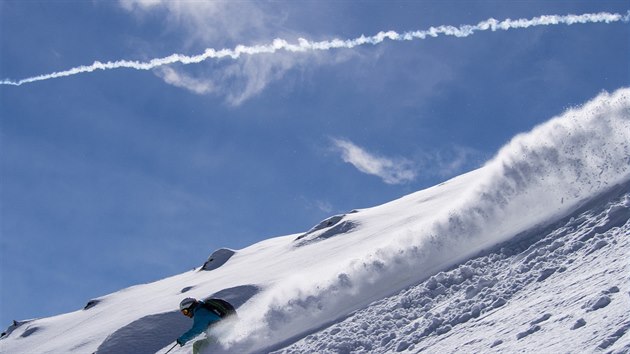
(202, 319)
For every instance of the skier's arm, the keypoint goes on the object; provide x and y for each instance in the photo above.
(197, 328)
(202, 319)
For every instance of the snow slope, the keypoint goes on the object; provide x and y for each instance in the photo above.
(528, 253)
(559, 289)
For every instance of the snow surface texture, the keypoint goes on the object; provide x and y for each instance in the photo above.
(332, 226)
(217, 259)
(528, 253)
(554, 290)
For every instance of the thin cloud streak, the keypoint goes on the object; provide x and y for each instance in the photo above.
(391, 171)
(305, 45)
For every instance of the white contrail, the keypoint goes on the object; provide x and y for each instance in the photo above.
(305, 45)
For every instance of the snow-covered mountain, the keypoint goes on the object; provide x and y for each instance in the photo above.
(530, 253)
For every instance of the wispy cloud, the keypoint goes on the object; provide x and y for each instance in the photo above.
(180, 79)
(453, 160)
(261, 72)
(209, 21)
(227, 22)
(313, 204)
(390, 170)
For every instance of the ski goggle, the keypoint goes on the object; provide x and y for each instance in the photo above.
(187, 312)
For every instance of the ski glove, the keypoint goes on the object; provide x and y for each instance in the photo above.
(179, 341)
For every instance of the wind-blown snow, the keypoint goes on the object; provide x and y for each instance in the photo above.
(536, 178)
(558, 289)
(299, 292)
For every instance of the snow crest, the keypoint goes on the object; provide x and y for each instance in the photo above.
(556, 289)
(535, 179)
(403, 275)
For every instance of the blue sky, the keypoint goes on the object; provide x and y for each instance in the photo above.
(119, 177)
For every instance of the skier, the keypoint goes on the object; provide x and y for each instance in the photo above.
(202, 319)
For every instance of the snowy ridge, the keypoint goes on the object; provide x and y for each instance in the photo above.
(309, 294)
(536, 178)
(496, 301)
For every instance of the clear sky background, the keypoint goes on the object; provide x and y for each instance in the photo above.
(119, 177)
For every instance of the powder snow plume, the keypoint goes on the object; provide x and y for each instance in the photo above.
(304, 45)
(537, 178)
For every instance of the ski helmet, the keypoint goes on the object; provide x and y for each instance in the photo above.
(187, 303)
